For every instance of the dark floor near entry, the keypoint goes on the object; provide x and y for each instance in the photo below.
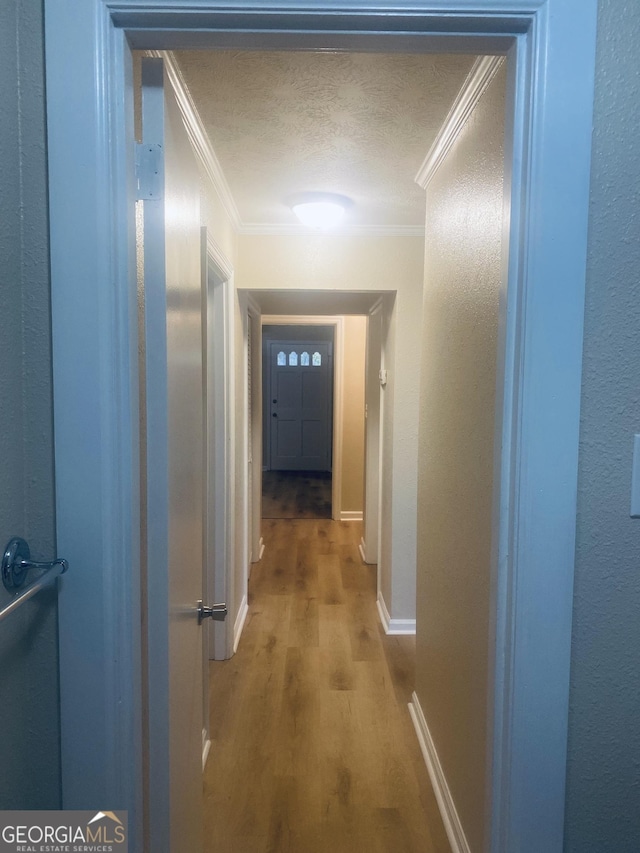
(296, 494)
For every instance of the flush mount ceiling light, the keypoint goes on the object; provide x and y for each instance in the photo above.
(319, 210)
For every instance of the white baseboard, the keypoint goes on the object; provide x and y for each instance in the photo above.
(362, 547)
(206, 746)
(394, 626)
(448, 812)
(351, 515)
(260, 553)
(239, 623)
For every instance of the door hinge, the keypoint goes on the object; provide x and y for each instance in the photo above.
(149, 175)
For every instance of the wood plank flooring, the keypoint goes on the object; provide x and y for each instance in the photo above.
(313, 750)
(296, 494)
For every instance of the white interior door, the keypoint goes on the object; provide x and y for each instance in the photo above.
(174, 470)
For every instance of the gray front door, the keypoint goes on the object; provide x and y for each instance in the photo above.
(300, 405)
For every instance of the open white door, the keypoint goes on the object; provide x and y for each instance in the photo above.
(173, 433)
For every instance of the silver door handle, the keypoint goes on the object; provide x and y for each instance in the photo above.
(217, 612)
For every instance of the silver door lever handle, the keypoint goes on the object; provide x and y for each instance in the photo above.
(218, 612)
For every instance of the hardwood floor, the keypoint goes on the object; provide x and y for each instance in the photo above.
(313, 750)
(296, 494)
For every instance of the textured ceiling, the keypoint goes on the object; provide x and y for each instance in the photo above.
(359, 124)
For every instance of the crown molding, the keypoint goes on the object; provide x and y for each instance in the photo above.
(210, 163)
(293, 230)
(482, 73)
(198, 135)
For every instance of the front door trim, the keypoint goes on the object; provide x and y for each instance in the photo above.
(551, 44)
(337, 321)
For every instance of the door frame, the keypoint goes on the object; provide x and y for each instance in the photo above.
(249, 546)
(373, 440)
(551, 45)
(220, 442)
(337, 321)
(253, 443)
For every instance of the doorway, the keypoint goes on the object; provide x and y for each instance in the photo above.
(298, 381)
(347, 334)
(90, 175)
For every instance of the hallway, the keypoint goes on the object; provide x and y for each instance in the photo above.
(312, 746)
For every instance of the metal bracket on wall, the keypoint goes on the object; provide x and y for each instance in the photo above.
(16, 562)
(149, 171)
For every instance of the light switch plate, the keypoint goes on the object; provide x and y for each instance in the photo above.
(635, 479)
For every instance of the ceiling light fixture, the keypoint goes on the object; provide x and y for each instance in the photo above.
(319, 210)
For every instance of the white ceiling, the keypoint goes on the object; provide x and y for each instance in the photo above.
(359, 124)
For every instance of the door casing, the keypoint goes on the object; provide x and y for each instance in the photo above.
(220, 437)
(551, 47)
(337, 321)
(369, 544)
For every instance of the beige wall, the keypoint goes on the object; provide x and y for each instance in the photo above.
(348, 263)
(215, 217)
(457, 405)
(355, 336)
(328, 262)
